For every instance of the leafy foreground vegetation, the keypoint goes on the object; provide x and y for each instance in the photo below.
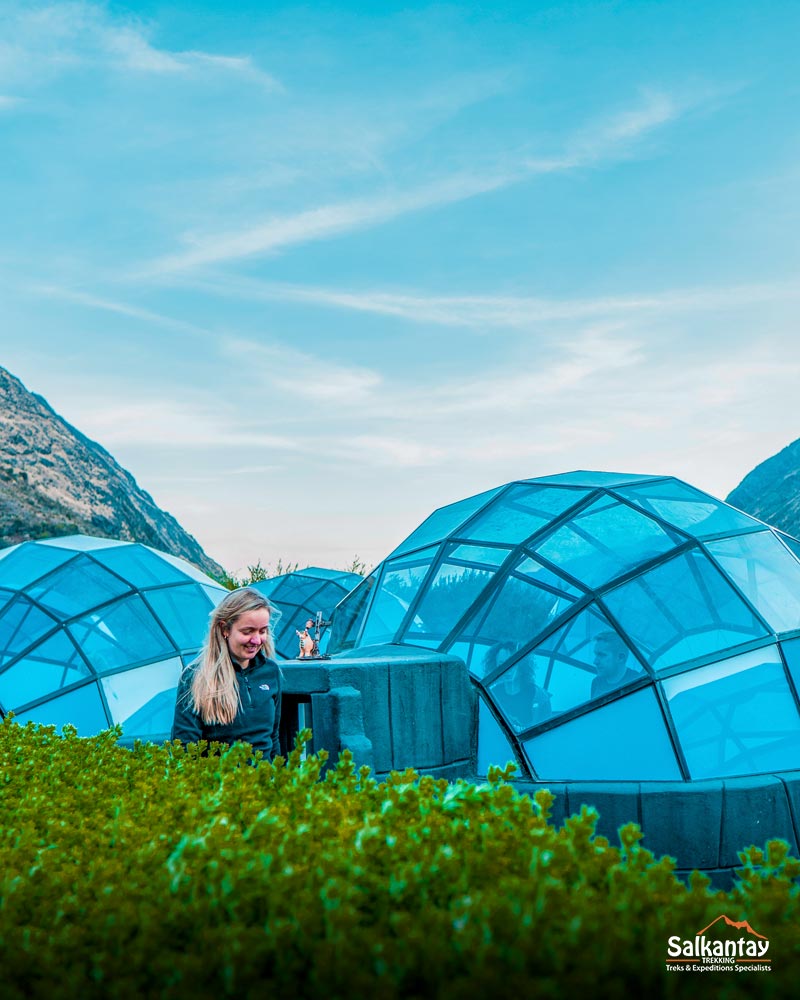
(160, 873)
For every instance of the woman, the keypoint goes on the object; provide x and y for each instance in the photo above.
(232, 691)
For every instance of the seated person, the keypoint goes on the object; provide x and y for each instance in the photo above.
(610, 659)
(525, 702)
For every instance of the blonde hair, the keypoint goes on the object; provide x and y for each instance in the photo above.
(214, 692)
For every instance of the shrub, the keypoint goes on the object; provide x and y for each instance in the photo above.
(159, 872)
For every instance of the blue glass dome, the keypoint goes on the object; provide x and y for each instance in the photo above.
(95, 632)
(300, 596)
(617, 627)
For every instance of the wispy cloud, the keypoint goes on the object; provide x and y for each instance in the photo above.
(271, 235)
(59, 37)
(493, 311)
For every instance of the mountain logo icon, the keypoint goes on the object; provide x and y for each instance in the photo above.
(739, 925)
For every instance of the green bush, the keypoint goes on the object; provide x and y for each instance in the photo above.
(158, 872)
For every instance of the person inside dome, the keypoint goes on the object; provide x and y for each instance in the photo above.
(610, 660)
(232, 691)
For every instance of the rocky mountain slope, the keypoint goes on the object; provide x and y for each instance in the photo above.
(55, 481)
(771, 492)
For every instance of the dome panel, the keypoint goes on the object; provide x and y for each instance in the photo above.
(183, 612)
(689, 509)
(82, 708)
(121, 634)
(139, 565)
(50, 666)
(604, 541)
(444, 521)
(592, 479)
(682, 610)
(77, 586)
(737, 716)
(766, 573)
(567, 664)
(28, 562)
(452, 589)
(519, 512)
(81, 543)
(129, 692)
(300, 596)
(22, 623)
(625, 740)
(494, 747)
(399, 585)
(513, 615)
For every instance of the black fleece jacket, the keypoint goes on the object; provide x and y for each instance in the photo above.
(259, 714)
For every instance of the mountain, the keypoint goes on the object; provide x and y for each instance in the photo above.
(55, 481)
(771, 492)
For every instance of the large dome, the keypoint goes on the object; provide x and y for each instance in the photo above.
(300, 596)
(95, 632)
(616, 626)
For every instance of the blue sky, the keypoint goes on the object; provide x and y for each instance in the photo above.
(310, 272)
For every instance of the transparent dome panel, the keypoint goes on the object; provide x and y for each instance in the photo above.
(22, 624)
(736, 717)
(140, 566)
(791, 543)
(81, 708)
(686, 508)
(444, 521)
(570, 663)
(513, 615)
(129, 692)
(767, 574)
(74, 588)
(349, 615)
(121, 634)
(294, 589)
(452, 589)
(479, 555)
(50, 666)
(183, 612)
(183, 566)
(494, 747)
(545, 577)
(592, 479)
(604, 541)
(30, 561)
(625, 740)
(400, 582)
(519, 512)
(82, 543)
(682, 610)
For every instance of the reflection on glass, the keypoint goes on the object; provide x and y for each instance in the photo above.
(514, 615)
(687, 508)
(767, 574)
(183, 611)
(624, 740)
(399, 586)
(139, 565)
(451, 591)
(27, 562)
(21, 624)
(74, 588)
(519, 512)
(604, 541)
(120, 634)
(128, 693)
(349, 615)
(737, 716)
(682, 609)
(50, 666)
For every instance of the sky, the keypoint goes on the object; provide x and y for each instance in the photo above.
(311, 272)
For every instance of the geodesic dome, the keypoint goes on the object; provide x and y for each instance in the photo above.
(95, 632)
(299, 596)
(538, 584)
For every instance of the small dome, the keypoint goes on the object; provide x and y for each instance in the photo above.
(302, 595)
(617, 627)
(95, 632)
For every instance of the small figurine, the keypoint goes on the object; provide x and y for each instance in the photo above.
(309, 646)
